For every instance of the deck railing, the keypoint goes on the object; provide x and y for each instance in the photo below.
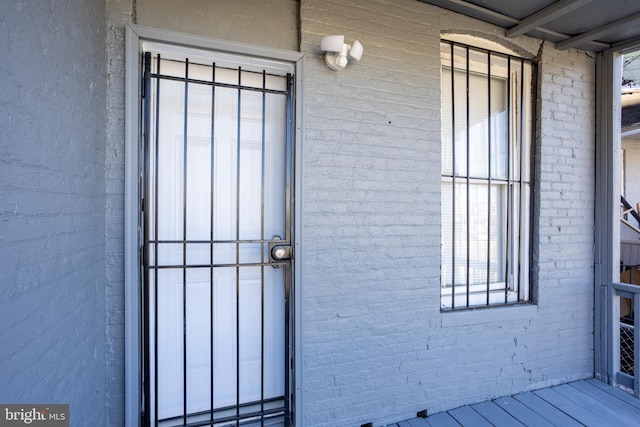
(628, 374)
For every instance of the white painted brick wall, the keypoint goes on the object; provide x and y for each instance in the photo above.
(376, 347)
(52, 220)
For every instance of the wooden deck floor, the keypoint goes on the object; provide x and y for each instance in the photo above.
(580, 403)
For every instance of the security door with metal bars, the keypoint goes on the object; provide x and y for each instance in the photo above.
(217, 283)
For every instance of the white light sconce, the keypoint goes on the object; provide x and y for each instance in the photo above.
(338, 53)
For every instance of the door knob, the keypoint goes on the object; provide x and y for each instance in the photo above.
(279, 250)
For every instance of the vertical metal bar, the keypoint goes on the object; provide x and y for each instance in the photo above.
(262, 253)
(155, 214)
(184, 242)
(153, 309)
(146, 259)
(238, 246)
(468, 214)
(636, 345)
(453, 181)
(511, 280)
(508, 189)
(489, 129)
(289, 158)
(518, 266)
(287, 280)
(211, 238)
(533, 89)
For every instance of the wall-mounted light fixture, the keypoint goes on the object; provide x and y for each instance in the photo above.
(337, 52)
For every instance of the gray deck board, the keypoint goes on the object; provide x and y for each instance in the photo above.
(609, 401)
(616, 392)
(466, 416)
(521, 412)
(414, 422)
(589, 404)
(496, 415)
(547, 410)
(442, 419)
(579, 403)
(576, 409)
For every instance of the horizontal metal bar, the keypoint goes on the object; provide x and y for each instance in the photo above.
(480, 307)
(485, 179)
(209, 266)
(270, 412)
(481, 49)
(267, 413)
(218, 84)
(176, 242)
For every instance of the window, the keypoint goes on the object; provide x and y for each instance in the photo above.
(487, 130)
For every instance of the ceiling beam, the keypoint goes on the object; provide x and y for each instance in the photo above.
(605, 30)
(625, 46)
(546, 34)
(548, 14)
(504, 21)
(478, 12)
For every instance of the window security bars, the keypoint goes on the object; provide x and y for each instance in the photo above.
(217, 145)
(487, 131)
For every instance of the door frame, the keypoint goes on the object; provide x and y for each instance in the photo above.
(607, 210)
(135, 36)
(607, 205)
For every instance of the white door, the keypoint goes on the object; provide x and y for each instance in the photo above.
(216, 186)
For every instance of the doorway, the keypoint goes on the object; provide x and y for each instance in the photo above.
(216, 227)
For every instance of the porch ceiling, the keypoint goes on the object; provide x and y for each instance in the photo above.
(594, 25)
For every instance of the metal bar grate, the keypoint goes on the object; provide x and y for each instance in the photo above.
(205, 188)
(487, 100)
(628, 337)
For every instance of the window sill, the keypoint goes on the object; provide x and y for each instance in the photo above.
(483, 315)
